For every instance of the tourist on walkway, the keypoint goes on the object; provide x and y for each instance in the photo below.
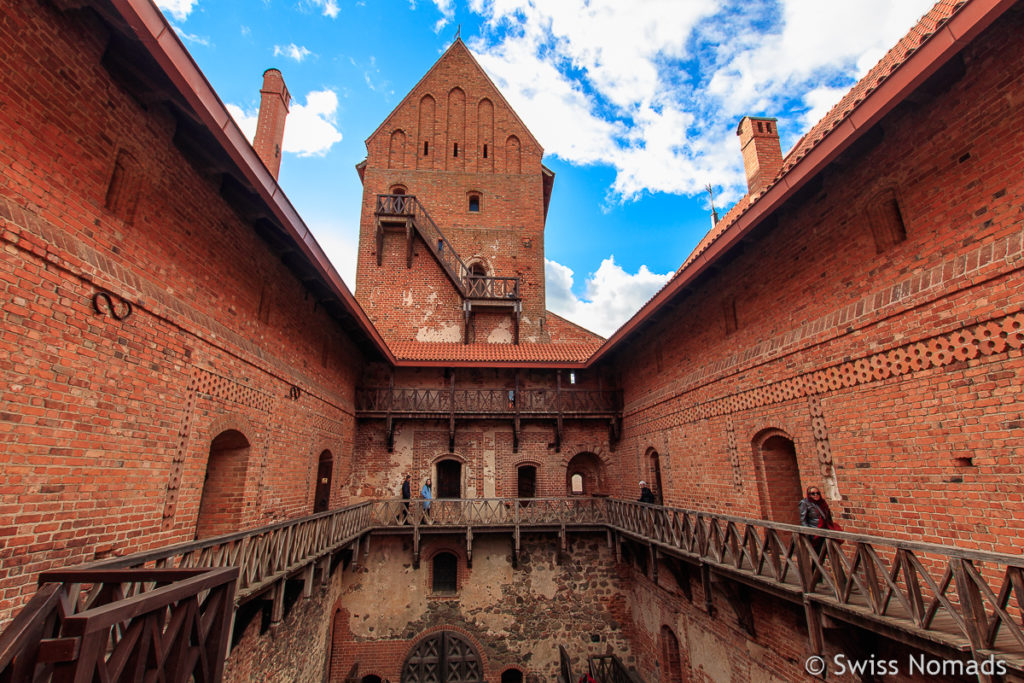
(814, 512)
(646, 495)
(406, 495)
(426, 494)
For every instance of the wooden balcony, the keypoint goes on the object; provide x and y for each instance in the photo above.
(404, 212)
(557, 404)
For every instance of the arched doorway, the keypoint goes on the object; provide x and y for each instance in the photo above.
(511, 676)
(443, 657)
(585, 471)
(322, 497)
(780, 477)
(526, 481)
(449, 479)
(655, 461)
(671, 667)
(222, 502)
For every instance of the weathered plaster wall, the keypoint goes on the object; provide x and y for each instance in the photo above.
(516, 617)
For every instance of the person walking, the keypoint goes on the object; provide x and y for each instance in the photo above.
(427, 494)
(406, 496)
(646, 495)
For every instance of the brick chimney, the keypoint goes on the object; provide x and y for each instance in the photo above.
(762, 154)
(270, 127)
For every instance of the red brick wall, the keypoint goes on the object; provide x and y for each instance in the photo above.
(106, 424)
(507, 232)
(895, 374)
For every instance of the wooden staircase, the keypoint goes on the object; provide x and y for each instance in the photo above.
(405, 213)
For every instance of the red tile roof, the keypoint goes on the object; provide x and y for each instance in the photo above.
(452, 352)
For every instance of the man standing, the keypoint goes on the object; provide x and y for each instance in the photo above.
(406, 495)
(646, 495)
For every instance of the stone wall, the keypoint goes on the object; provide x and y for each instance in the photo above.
(515, 617)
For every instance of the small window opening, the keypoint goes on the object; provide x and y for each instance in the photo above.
(485, 151)
(760, 127)
(446, 573)
(886, 220)
(768, 127)
(455, 150)
(731, 324)
(474, 202)
(426, 147)
(572, 378)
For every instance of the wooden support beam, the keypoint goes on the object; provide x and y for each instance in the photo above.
(705, 582)
(618, 548)
(307, 580)
(652, 562)
(467, 312)
(558, 406)
(410, 235)
(515, 420)
(325, 570)
(815, 632)
(451, 414)
(355, 552)
(277, 603)
(561, 544)
(389, 421)
(366, 550)
(515, 537)
(416, 545)
(518, 313)
(469, 547)
(380, 244)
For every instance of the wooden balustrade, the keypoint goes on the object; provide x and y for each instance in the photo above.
(122, 625)
(610, 669)
(471, 285)
(964, 601)
(377, 401)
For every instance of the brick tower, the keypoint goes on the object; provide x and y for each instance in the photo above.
(464, 260)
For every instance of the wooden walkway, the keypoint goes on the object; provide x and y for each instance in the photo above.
(947, 601)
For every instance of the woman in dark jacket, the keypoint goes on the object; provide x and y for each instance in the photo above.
(813, 509)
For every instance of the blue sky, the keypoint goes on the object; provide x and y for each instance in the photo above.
(635, 103)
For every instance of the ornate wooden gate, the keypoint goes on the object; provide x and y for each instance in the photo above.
(443, 657)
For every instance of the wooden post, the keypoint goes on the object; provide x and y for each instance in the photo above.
(277, 608)
(815, 631)
(307, 580)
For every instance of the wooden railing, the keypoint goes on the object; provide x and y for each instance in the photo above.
(265, 556)
(610, 669)
(488, 401)
(966, 600)
(470, 285)
(122, 625)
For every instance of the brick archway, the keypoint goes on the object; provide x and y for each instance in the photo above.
(222, 501)
(778, 476)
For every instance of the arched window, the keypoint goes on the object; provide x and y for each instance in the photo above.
(778, 476)
(589, 468)
(476, 279)
(220, 508)
(526, 481)
(324, 470)
(576, 484)
(656, 475)
(445, 573)
(671, 667)
(474, 202)
(512, 676)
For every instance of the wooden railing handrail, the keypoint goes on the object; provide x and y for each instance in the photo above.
(470, 286)
(879, 578)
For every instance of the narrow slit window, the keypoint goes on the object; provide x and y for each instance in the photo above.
(426, 147)
(485, 150)
(445, 574)
(455, 149)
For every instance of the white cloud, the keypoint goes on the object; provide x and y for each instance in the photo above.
(179, 9)
(292, 51)
(329, 7)
(447, 9)
(310, 129)
(611, 295)
(191, 37)
(655, 88)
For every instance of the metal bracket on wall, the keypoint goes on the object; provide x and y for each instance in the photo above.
(110, 308)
